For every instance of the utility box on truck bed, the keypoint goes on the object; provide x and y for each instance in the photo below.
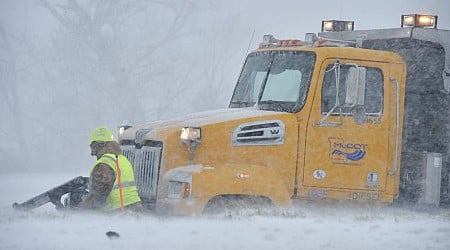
(431, 182)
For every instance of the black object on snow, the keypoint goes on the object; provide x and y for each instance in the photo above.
(112, 235)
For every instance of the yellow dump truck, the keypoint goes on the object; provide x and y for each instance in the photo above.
(341, 115)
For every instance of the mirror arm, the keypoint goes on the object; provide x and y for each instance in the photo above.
(323, 123)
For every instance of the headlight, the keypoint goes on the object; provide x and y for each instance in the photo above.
(177, 190)
(190, 133)
(190, 136)
(123, 128)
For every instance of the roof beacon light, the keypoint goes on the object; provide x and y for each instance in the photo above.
(310, 38)
(337, 25)
(419, 21)
(268, 41)
(291, 42)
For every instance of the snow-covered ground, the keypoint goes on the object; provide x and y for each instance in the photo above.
(305, 227)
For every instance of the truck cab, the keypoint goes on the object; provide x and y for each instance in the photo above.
(425, 162)
(319, 119)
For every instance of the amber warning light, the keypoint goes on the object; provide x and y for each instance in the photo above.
(337, 25)
(419, 21)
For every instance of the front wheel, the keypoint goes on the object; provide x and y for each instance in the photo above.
(236, 205)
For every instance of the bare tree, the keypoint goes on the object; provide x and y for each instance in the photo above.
(110, 61)
(11, 114)
(106, 40)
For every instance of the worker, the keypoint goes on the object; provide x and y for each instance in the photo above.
(111, 182)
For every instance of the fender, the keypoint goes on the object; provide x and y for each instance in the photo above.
(207, 182)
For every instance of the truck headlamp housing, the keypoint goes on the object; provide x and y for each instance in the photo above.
(190, 134)
(419, 20)
(337, 25)
(123, 128)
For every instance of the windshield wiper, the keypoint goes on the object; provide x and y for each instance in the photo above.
(241, 103)
(276, 105)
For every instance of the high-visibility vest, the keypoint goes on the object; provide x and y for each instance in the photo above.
(129, 190)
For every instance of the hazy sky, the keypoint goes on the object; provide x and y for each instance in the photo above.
(284, 18)
(230, 25)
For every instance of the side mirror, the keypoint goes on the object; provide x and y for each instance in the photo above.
(356, 86)
(359, 114)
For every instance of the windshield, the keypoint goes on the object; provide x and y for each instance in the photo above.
(274, 80)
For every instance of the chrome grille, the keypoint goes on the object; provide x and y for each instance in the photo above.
(146, 165)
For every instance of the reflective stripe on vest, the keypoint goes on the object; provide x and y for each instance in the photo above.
(125, 184)
(129, 190)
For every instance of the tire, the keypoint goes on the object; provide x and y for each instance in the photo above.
(237, 205)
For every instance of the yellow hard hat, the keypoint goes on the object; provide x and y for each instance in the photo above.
(102, 134)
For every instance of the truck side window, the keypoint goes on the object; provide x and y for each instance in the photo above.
(373, 96)
(374, 91)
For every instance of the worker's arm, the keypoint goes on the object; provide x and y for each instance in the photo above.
(102, 182)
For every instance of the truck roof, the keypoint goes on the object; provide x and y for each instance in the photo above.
(355, 53)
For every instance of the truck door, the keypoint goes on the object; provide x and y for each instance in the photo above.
(348, 130)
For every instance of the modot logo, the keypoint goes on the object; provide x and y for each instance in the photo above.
(342, 150)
